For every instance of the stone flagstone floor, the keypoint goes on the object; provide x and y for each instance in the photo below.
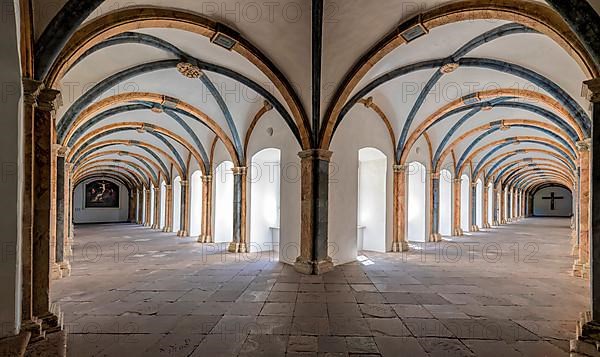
(506, 292)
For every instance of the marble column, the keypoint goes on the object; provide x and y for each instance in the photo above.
(31, 90)
(434, 188)
(588, 328)
(139, 194)
(581, 266)
(132, 206)
(456, 192)
(62, 187)
(147, 207)
(184, 226)
(239, 242)
(495, 206)
(473, 215)
(43, 138)
(502, 201)
(157, 207)
(399, 242)
(168, 209)
(485, 207)
(206, 222)
(314, 211)
(508, 191)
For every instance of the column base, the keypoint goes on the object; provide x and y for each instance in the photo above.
(182, 234)
(155, 226)
(487, 226)
(575, 250)
(581, 270)
(55, 271)
(310, 267)
(474, 228)
(147, 225)
(398, 247)
(35, 328)
(204, 239)
(458, 232)
(65, 269)
(435, 237)
(587, 342)
(495, 223)
(52, 321)
(15, 345)
(503, 221)
(235, 247)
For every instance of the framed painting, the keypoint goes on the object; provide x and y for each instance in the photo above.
(101, 194)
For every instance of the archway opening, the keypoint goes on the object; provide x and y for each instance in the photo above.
(445, 224)
(163, 204)
(465, 193)
(223, 179)
(152, 200)
(553, 201)
(479, 204)
(196, 203)
(416, 204)
(176, 204)
(371, 215)
(144, 213)
(265, 199)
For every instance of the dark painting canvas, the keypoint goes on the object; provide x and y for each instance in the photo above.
(101, 194)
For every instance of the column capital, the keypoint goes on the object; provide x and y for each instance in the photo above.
(318, 154)
(207, 178)
(400, 168)
(49, 100)
(59, 150)
(457, 180)
(240, 170)
(584, 145)
(184, 183)
(31, 90)
(591, 90)
(168, 187)
(435, 175)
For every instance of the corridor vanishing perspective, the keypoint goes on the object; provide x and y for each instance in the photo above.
(300, 177)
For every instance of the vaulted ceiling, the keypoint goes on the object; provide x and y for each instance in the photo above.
(146, 87)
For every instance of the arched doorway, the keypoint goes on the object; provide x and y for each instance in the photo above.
(479, 204)
(265, 201)
(223, 179)
(176, 204)
(163, 204)
(196, 204)
(416, 204)
(371, 214)
(465, 206)
(445, 203)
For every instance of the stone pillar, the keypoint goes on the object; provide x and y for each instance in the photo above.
(456, 188)
(399, 242)
(473, 215)
(434, 200)
(43, 138)
(508, 191)
(314, 258)
(31, 90)
(140, 205)
(156, 224)
(168, 209)
(515, 211)
(132, 206)
(62, 188)
(485, 207)
(184, 225)
(239, 243)
(206, 222)
(67, 213)
(147, 206)
(502, 203)
(588, 329)
(581, 266)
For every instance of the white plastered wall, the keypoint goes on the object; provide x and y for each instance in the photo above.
(81, 214)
